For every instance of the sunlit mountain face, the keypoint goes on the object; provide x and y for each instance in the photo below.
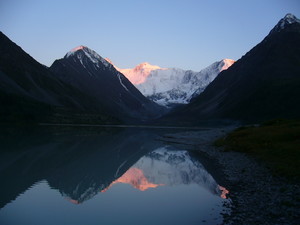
(169, 86)
(141, 72)
(138, 74)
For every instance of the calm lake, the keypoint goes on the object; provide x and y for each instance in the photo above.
(103, 176)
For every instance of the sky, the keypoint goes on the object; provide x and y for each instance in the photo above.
(187, 34)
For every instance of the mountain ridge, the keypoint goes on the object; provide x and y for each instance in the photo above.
(87, 71)
(264, 84)
(30, 93)
(168, 86)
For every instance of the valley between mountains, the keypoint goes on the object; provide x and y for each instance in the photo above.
(85, 89)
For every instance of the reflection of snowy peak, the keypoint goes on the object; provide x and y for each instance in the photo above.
(166, 167)
(82, 194)
(162, 167)
(172, 85)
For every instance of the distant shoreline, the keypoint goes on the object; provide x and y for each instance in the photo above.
(122, 126)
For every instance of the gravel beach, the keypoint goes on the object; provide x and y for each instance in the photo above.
(257, 197)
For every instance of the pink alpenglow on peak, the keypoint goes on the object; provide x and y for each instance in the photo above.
(77, 48)
(227, 63)
(167, 86)
(139, 74)
(108, 60)
(73, 50)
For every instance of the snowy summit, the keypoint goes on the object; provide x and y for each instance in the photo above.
(167, 86)
(287, 20)
(91, 54)
(139, 74)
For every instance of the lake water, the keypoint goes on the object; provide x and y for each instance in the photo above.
(103, 176)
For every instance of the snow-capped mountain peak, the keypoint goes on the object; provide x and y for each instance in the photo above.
(227, 63)
(93, 75)
(146, 66)
(287, 20)
(167, 86)
(78, 48)
(74, 50)
(139, 74)
(81, 51)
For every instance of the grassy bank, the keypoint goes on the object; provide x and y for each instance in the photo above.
(275, 142)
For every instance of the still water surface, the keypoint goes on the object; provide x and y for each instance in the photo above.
(111, 176)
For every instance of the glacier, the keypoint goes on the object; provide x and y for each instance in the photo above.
(169, 86)
(164, 86)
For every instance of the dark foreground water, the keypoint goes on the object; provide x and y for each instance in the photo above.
(110, 176)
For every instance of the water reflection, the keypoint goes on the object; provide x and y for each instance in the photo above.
(165, 166)
(79, 165)
(102, 169)
(136, 178)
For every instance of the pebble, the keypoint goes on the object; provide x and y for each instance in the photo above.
(257, 197)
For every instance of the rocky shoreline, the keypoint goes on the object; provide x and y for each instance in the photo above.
(257, 197)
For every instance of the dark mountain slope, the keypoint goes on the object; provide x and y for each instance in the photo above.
(263, 84)
(85, 70)
(30, 92)
(20, 74)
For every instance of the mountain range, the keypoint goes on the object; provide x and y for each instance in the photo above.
(87, 71)
(264, 84)
(169, 86)
(83, 87)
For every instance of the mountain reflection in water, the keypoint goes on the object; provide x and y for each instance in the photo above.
(92, 167)
(164, 166)
(136, 178)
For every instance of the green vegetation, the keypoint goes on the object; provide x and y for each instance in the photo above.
(276, 142)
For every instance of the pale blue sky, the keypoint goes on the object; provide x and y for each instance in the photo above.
(188, 34)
